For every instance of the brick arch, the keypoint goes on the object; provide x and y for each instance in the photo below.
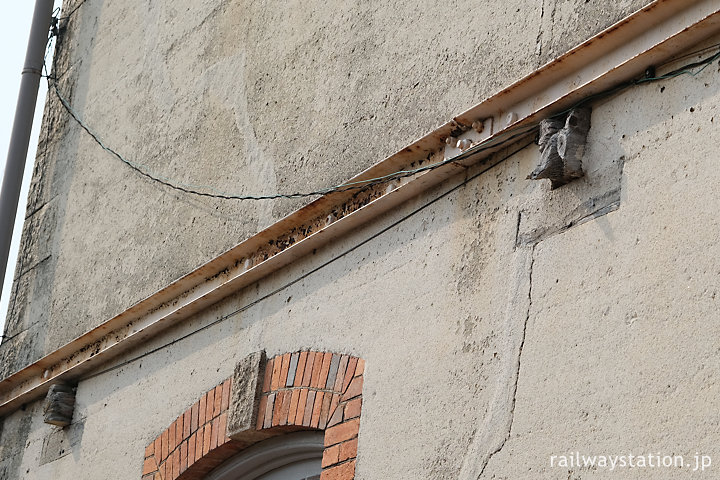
(304, 390)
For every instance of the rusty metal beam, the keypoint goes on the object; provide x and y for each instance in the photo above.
(649, 36)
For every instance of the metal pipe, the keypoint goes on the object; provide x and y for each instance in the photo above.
(22, 127)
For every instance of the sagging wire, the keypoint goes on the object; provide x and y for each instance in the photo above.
(343, 187)
(504, 138)
(308, 273)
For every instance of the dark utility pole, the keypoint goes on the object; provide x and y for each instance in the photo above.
(22, 126)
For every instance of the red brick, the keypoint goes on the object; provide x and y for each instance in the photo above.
(194, 417)
(317, 370)
(277, 409)
(285, 407)
(165, 451)
(199, 439)
(267, 380)
(149, 466)
(202, 409)
(277, 366)
(353, 407)
(360, 369)
(348, 450)
(150, 450)
(207, 434)
(215, 433)
(269, 411)
(302, 400)
(349, 373)
(307, 416)
(169, 467)
(225, 395)
(342, 432)
(300, 369)
(171, 438)
(325, 410)
(179, 429)
(218, 400)
(210, 406)
(330, 456)
(186, 424)
(191, 449)
(333, 404)
(284, 369)
(157, 476)
(294, 399)
(261, 413)
(316, 409)
(222, 432)
(158, 449)
(176, 463)
(325, 369)
(307, 375)
(344, 471)
(183, 456)
(341, 374)
(336, 416)
(354, 389)
(163, 469)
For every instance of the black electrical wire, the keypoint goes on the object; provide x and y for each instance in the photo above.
(344, 187)
(362, 184)
(522, 131)
(310, 272)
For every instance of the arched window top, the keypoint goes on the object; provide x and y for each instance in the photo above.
(315, 394)
(296, 456)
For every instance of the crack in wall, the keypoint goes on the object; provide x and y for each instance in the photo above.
(501, 411)
(518, 364)
(494, 431)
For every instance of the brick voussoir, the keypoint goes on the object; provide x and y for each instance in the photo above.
(321, 390)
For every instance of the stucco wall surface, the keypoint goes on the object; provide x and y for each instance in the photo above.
(246, 97)
(502, 324)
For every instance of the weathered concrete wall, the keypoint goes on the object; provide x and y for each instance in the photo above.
(502, 324)
(246, 97)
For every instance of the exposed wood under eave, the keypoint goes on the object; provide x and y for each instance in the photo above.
(649, 36)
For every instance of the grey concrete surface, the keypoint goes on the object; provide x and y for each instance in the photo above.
(244, 97)
(485, 354)
(501, 325)
(247, 381)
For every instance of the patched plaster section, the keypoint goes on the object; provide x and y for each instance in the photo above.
(227, 80)
(494, 430)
